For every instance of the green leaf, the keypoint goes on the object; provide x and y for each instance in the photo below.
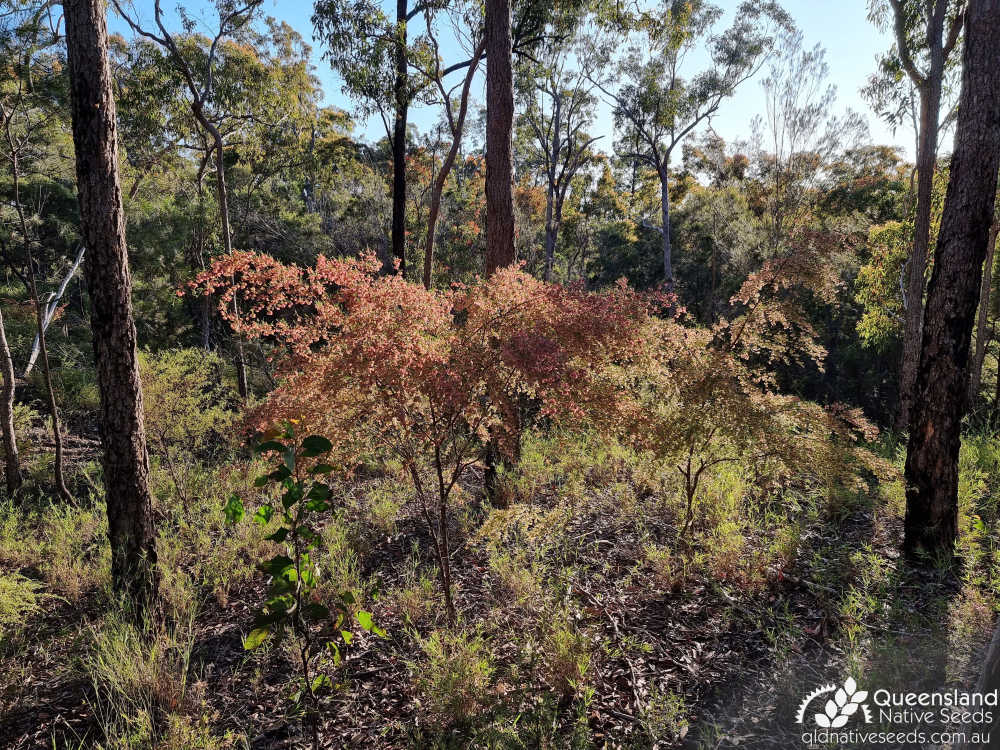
(278, 536)
(234, 509)
(289, 458)
(347, 635)
(277, 565)
(314, 445)
(261, 481)
(347, 597)
(322, 469)
(318, 492)
(263, 515)
(320, 681)
(257, 636)
(318, 506)
(316, 611)
(270, 445)
(365, 620)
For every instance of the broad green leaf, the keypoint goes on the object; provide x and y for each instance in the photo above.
(234, 509)
(257, 636)
(314, 445)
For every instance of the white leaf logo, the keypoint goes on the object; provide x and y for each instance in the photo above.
(842, 703)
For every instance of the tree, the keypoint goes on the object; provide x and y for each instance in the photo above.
(499, 136)
(557, 105)
(656, 107)
(942, 379)
(123, 435)
(232, 18)
(372, 54)
(982, 335)
(15, 145)
(456, 127)
(12, 461)
(926, 32)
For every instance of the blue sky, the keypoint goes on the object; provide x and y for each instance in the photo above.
(852, 45)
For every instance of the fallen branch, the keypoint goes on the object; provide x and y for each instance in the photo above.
(50, 310)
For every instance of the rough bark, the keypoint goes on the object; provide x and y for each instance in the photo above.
(942, 380)
(499, 132)
(928, 86)
(982, 335)
(12, 462)
(123, 435)
(399, 142)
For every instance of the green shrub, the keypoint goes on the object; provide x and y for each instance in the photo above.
(453, 677)
(19, 597)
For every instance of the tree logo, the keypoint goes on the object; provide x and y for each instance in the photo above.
(838, 709)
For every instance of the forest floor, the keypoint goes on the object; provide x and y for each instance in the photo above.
(584, 619)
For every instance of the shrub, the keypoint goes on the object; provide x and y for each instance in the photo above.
(19, 598)
(453, 677)
(189, 413)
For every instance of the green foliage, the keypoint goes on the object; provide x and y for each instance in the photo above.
(19, 598)
(190, 415)
(454, 676)
(291, 603)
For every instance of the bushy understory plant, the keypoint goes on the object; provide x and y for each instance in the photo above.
(430, 377)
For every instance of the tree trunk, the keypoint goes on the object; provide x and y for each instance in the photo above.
(240, 361)
(50, 310)
(449, 160)
(550, 235)
(399, 142)
(102, 219)
(930, 106)
(39, 319)
(47, 373)
(12, 463)
(942, 382)
(668, 268)
(982, 336)
(499, 132)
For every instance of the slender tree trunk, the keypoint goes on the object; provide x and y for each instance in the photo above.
(499, 132)
(668, 268)
(550, 234)
(102, 219)
(942, 382)
(39, 319)
(916, 268)
(982, 335)
(239, 360)
(12, 463)
(402, 99)
(449, 160)
(49, 390)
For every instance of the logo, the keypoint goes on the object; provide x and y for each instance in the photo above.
(839, 708)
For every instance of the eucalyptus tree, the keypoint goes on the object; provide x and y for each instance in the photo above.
(942, 378)
(371, 49)
(657, 103)
(109, 283)
(926, 34)
(218, 73)
(455, 113)
(557, 105)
